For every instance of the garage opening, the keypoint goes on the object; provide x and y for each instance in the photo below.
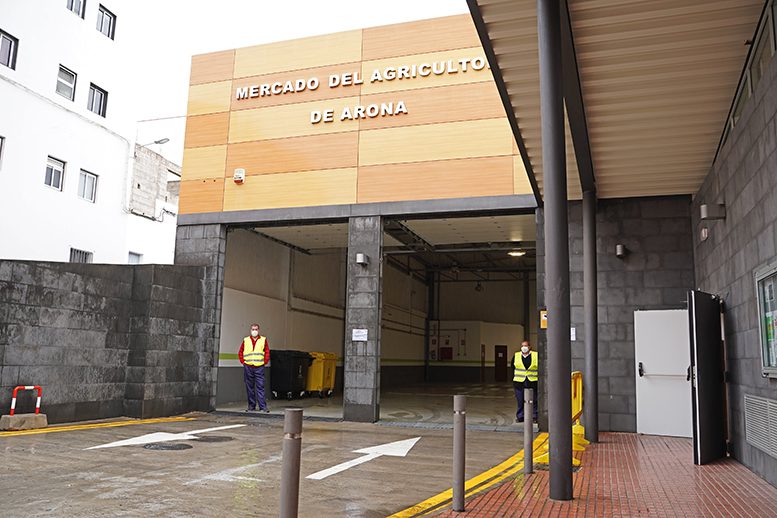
(458, 298)
(290, 280)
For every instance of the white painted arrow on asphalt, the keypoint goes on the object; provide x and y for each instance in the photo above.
(392, 449)
(162, 437)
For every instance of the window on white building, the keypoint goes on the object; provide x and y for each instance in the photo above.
(98, 100)
(106, 22)
(77, 6)
(134, 258)
(55, 173)
(9, 46)
(66, 83)
(80, 256)
(87, 186)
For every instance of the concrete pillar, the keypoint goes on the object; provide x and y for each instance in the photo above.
(556, 249)
(364, 287)
(591, 374)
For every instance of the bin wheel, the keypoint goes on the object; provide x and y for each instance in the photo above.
(289, 395)
(321, 394)
(329, 393)
(275, 394)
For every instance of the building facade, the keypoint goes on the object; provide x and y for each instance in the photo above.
(376, 149)
(67, 137)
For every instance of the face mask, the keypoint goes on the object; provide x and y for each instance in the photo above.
(524, 349)
(254, 333)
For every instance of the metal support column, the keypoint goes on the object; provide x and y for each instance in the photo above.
(591, 375)
(556, 249)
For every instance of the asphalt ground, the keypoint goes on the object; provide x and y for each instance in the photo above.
(227, 472)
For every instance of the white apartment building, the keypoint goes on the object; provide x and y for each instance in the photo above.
(67, 138)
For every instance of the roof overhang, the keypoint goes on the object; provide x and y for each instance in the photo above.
(647, 86)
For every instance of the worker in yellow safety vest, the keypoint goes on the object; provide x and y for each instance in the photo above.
(525, 365)
(254, 354)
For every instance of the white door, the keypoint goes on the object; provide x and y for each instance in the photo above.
(662, 358)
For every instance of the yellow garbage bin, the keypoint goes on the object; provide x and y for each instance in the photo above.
(321, 374)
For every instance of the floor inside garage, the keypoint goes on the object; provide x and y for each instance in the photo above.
(456, 295)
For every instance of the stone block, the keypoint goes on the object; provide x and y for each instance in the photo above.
(23, 422)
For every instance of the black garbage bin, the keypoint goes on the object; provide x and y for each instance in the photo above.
(289, 373)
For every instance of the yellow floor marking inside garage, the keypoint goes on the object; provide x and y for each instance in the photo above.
(475, 485)
(91, 426)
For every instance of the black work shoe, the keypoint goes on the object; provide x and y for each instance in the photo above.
(266, 410)
(519, 419)
(249, 409)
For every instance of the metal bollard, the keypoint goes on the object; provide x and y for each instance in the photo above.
(292, 446)
(459, 431)
(528, 431)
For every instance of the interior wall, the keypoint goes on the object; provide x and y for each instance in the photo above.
(403, 327)
(744, 178)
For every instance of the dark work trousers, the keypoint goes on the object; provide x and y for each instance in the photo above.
(254, 378)
(518, 386)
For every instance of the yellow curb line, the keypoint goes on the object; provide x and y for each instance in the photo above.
(474, 485)
(71, 428)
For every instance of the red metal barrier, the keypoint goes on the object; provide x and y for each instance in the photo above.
(26, 387)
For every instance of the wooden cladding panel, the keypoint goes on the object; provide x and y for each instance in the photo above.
(209, 98)
(289, 120)
(331, 151)
(521, 184)
(329, 49)
(442, 104)
(489, 137)
(322, 92)
(271, 191)
(207, 130)
(201, 196)
(434, 180)
(208, 68)
(457, 78)
(204, 162)
(452, 32)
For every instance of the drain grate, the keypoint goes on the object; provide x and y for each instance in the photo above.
(167, 446)
(215, 438)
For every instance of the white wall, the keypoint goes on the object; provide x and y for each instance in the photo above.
(474, 334)
(404, 319)
(38, 222)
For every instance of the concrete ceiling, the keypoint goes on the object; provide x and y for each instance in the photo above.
(657, 80)
(446, 231)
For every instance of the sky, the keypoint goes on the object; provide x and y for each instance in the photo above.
(160, 37)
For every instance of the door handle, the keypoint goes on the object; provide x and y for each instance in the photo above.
(641, 370)
(688, 376)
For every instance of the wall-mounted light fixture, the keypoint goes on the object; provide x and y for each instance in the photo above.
(239, 176)
(621, 251)
(478, 286)
(712, 211)
(516, 253)
(362, 259)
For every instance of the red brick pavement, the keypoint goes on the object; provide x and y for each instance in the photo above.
(628, 475)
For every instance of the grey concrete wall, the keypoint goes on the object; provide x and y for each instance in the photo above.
(744, 178)
(656, 274)
(150, 185)
(104, 340)
(364, 285)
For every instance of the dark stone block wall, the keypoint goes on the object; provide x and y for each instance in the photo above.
(744, 178)
(656, 274)
(106, 340)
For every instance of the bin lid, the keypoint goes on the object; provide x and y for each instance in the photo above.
(323, 356)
